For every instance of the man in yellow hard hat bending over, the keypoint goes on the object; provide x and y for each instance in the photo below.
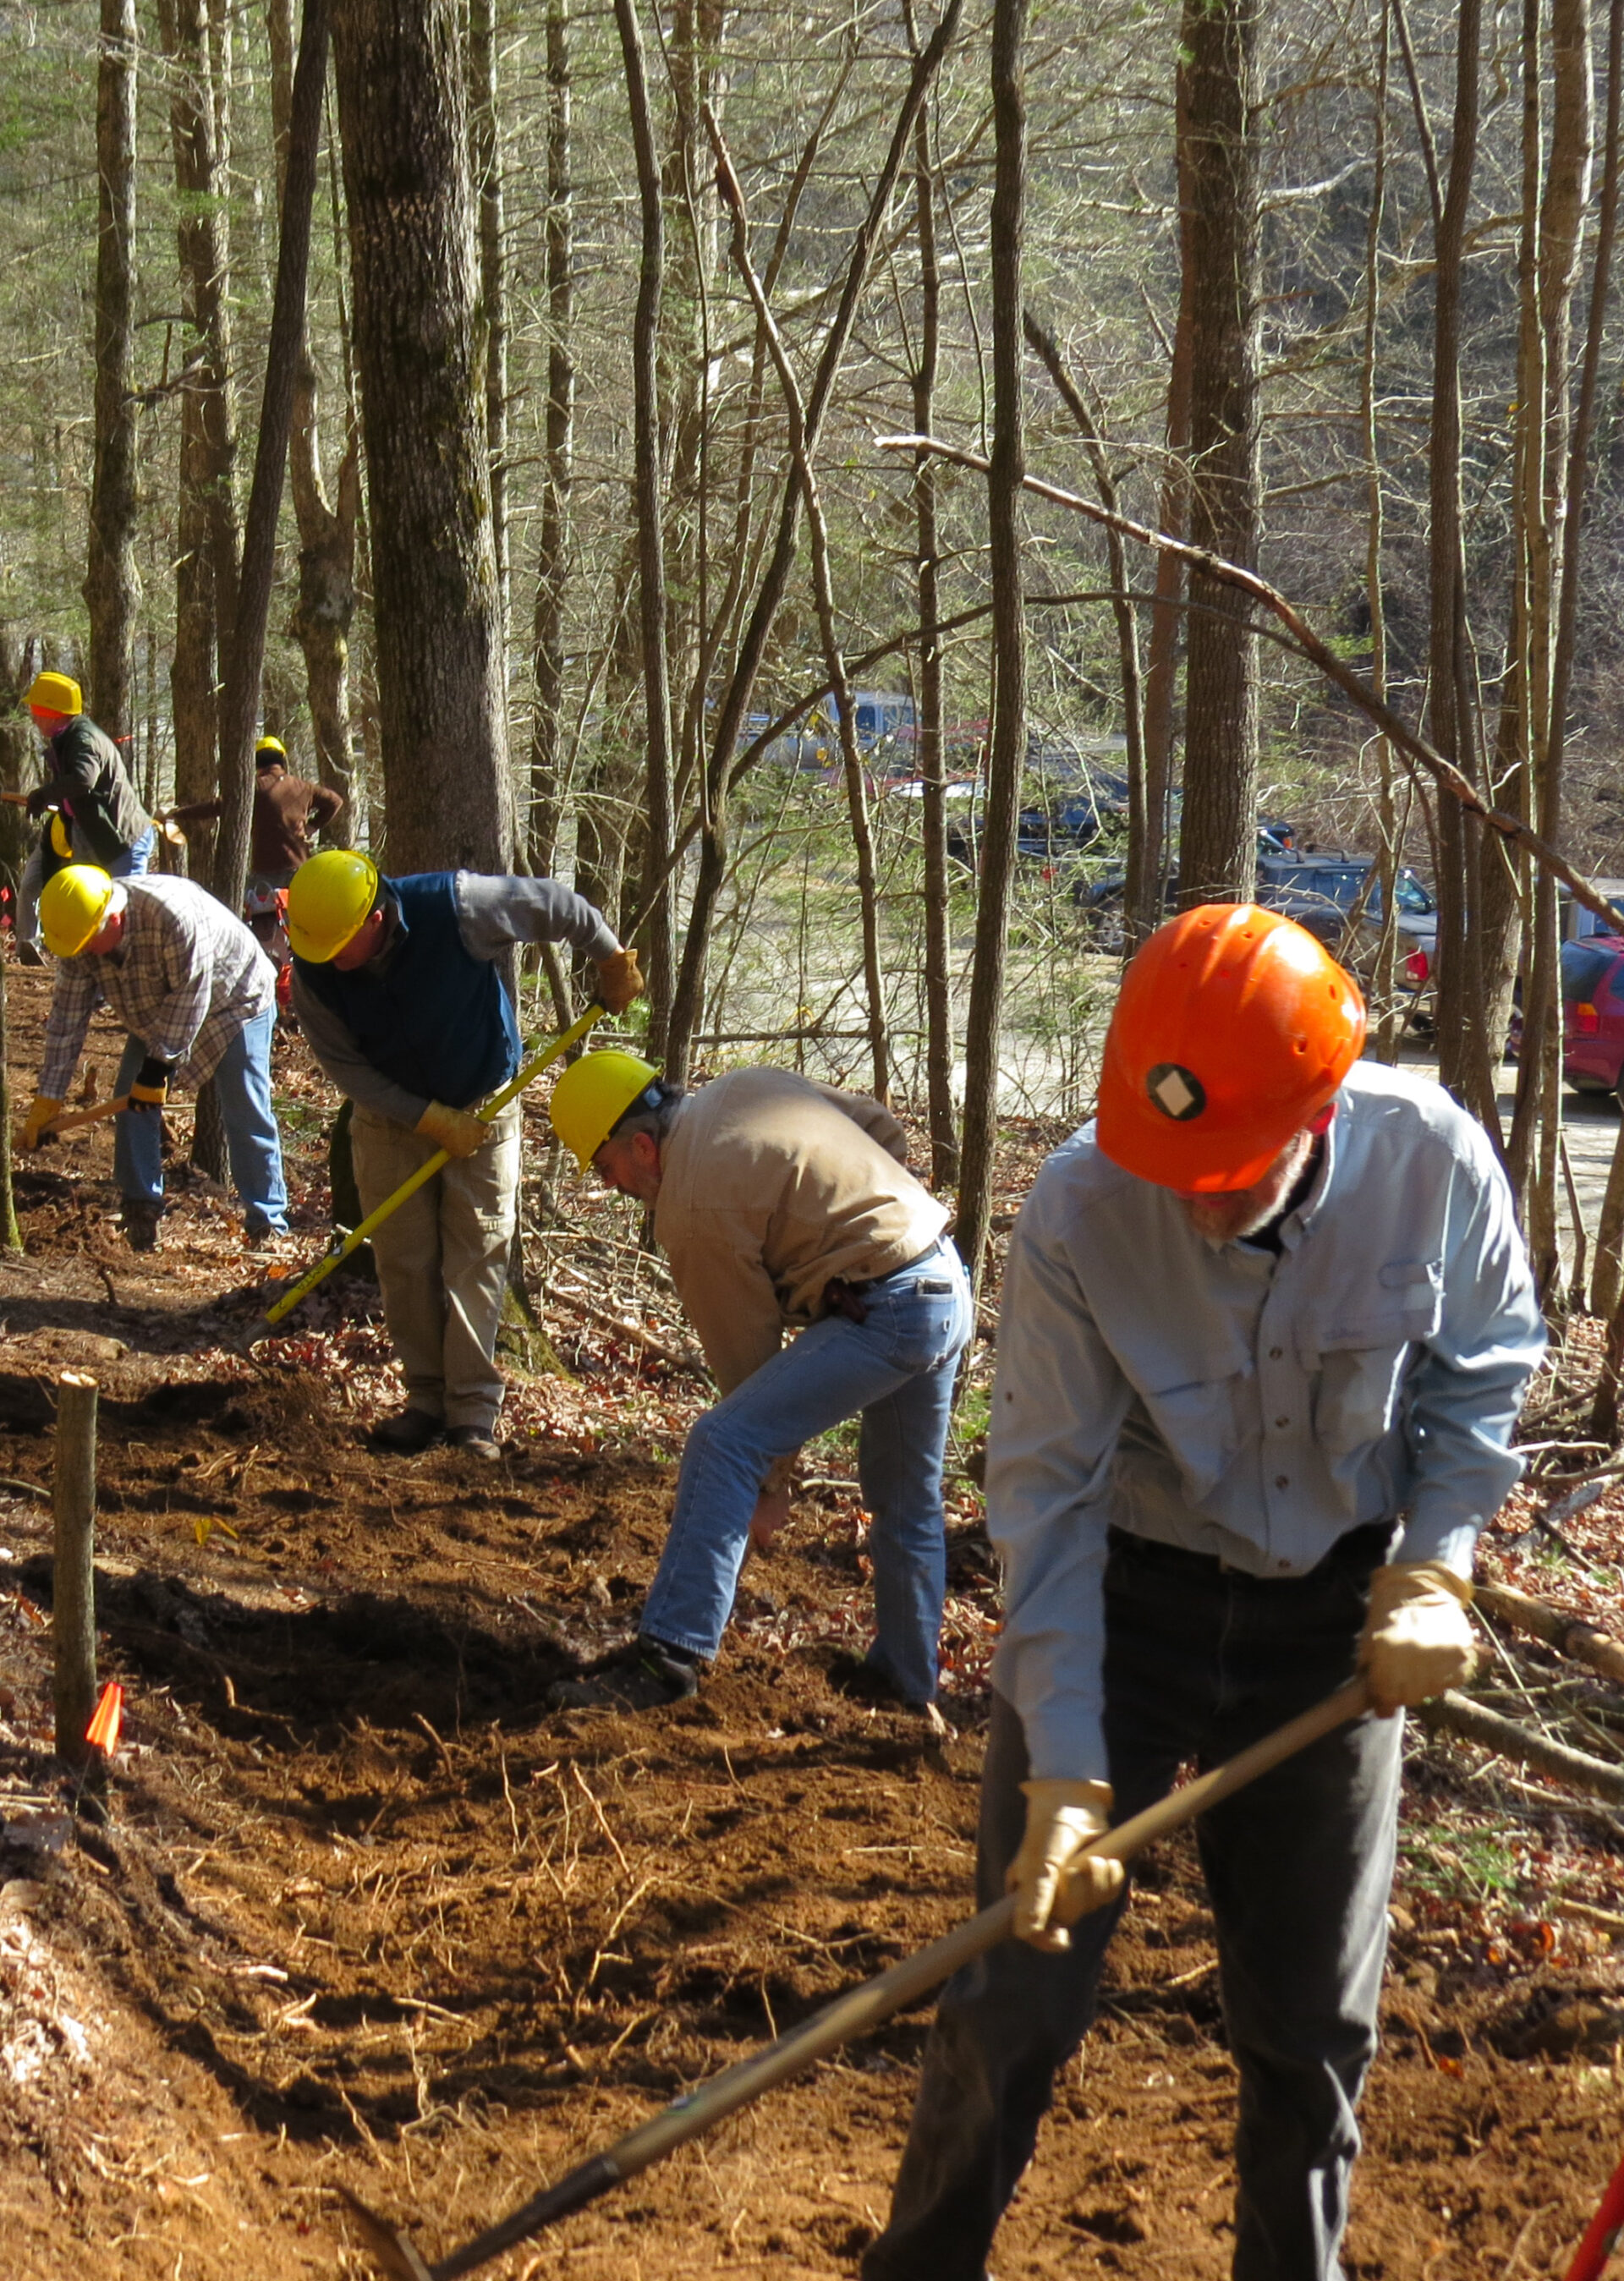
(1265, 1329)
(197, 996)
(781, 1202)
(96, 813)
(395, 984)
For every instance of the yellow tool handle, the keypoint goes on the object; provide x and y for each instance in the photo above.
(527, 1073)
(71, 1120)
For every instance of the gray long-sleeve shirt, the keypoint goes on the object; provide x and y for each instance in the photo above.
(1216, 1397)
(493, 912)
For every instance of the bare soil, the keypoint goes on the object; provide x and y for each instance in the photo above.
(355, 1907)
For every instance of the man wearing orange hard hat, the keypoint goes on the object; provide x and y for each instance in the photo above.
(1266, 1330)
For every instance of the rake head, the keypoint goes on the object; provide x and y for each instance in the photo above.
(384, 2243)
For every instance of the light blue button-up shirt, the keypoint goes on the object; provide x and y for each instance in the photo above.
(1214, 1396)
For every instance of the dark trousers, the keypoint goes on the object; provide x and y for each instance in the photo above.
(1200, 1660)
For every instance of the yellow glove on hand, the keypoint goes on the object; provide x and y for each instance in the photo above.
(1417, 1639)
(619, 980)
(458, 1131)
(1052, 1880)
(41, 1112)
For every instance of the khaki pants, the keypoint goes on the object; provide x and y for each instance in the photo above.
(443, 1261)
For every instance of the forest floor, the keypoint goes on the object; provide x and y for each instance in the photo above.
(355, 1907)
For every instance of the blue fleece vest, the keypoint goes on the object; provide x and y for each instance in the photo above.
(435, 1019)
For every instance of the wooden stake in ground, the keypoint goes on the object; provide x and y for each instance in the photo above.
(74, 1586)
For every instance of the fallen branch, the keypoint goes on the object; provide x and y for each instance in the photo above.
(1302, 636)
(1453, 1714)
(679, 1357)
(1568, 1634)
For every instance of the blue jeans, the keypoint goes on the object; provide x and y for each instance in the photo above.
(1200, 1660)
(896, 1369)
(135, 860)
(253, 1144)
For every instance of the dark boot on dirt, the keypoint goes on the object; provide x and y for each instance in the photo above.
(641, 1676)
(406, 1435)
(138, 1221)
(474, 1441)
(860, 1681)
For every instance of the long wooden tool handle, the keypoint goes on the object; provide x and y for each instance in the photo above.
(425, 1172)
(71, 1120)
(849, 2016)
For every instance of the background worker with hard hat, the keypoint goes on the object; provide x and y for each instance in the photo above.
(197, 996)
(287, 810)
(778, 1203)
(396, 987)
(87, 787)
(1265, 1329)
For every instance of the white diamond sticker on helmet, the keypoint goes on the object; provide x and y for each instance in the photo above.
(1177, 1092)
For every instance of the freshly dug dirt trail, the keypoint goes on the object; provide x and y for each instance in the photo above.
(355, 1907)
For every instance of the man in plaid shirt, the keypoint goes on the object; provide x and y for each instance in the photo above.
(198, 997)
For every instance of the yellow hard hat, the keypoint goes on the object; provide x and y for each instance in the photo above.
(61, 838)
(72, 904)
(54, 693)
(592, 1097)
(331, 897)
(273, 745)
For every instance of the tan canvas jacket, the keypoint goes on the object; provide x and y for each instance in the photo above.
(771, 1187)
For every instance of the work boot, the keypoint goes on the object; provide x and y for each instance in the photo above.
(407, 1434)
(860, 1679)
(641, 1676)
(138, 1220)
(263, 1236)
(474, 1441)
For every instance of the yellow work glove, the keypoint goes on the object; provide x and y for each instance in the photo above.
(150, 1088)
(1416, 1640)
(1052, 1880)
(42, 1110)
(458, 1131)
(619, 980)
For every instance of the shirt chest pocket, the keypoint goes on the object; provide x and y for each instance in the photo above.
(1202, 1421)
(1360, 1351)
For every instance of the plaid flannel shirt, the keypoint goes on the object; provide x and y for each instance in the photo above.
(186, 979)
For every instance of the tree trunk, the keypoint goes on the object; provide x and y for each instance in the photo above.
(551, 557)
(486, 156)
(1218, 843)
(403, 117)
(246, 657)
(325, 604)
(1552, 479)
(1451, 699)
(111, 584)
(1008, 755)
(934, 807)
(210, 542)
(18, 750)
(1386, 1009)
(1146, 863)
(656, 907)
(734, 702)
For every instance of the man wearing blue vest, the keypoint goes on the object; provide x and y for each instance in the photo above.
(395, 986)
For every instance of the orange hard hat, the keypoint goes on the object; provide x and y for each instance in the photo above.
(1233, 1029)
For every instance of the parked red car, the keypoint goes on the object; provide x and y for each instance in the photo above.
(1593, 1013)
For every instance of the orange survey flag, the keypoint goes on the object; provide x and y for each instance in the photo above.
(107, 1718)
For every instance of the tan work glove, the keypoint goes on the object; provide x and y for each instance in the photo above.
(619, 980)
(458, 1131)
(42, 1111)
(1417, 1639)
(1054, 1883)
